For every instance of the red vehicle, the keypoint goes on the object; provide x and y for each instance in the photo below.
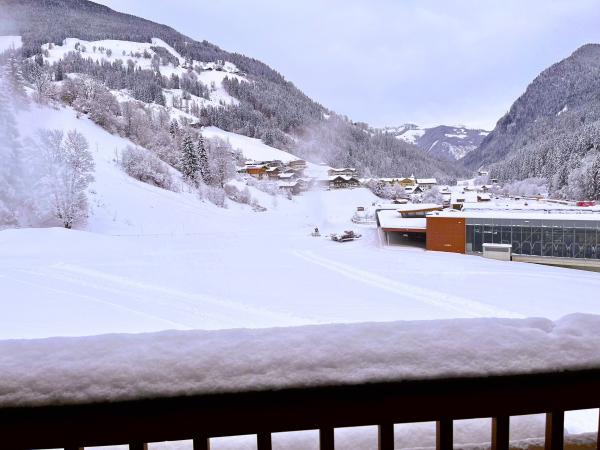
(586, 203)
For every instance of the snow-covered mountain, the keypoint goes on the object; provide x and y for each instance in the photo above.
(234, 92)
(443, 141)
(552, 131)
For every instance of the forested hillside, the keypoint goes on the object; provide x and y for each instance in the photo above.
(552, 130)
(266, 105)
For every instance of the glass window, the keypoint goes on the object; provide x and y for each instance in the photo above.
(569, 240)
(536, 239)
(488, 234)
(558, 245)
(579, 246)
(516, 240)
(506, 237)
(546, 241)
(527, 244)
(478, 238)
(590, 243)
(497, 234)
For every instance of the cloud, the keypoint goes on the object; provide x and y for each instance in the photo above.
(394, 61)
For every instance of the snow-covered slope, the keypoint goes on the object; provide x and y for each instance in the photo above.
(210, 74)
(119, 203)
(443, 141)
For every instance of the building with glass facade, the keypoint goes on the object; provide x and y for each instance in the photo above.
(573, 236)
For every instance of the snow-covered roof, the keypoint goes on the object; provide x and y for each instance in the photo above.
(426, 181)
(520, 214)
(343, 177)
(389, 219)
(417, 207)
(286, 175)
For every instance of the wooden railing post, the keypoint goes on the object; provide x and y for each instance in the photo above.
(598, 435)
(500, 432)
(201, 443)
(263, 441)
(138, 446)
(386, 436)
(326, 439)
(74, 448)
(555, 430)
(444, 435)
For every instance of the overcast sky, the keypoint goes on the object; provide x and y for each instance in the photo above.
(388, 62)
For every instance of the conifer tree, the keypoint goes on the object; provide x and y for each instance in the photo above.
(203, 161)
(190, 163)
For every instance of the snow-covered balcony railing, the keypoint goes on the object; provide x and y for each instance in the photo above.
(196, 385)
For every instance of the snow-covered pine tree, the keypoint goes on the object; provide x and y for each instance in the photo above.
(203, 160)
(174, 128)
(190, 162)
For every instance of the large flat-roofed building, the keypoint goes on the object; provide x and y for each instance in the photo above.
(552, 238)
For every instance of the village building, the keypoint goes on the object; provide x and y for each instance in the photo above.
(343, 182)
(346, 172)
(255, 170)
(426, 183)
(540, 236)
(297, 164)
(273, 172)
(413, 189)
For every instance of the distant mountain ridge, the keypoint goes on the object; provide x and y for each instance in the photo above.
(444, 142)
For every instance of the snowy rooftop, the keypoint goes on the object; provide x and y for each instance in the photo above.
(120, 367)
(417, 207)
(518, 214)
(392, 219)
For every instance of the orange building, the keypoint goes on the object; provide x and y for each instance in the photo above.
(446, 234)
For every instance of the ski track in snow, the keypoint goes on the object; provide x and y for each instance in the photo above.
(94, 299)
(432, 297)
(160, 295)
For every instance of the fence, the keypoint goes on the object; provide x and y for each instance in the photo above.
(324, 408)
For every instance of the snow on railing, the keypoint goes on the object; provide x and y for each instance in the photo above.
(175, 385)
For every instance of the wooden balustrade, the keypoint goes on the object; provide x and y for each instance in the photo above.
(325, 408)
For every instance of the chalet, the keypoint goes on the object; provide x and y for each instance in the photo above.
(343, 182)
(483, 173)
(410, 181)
(256, 170)
(273, 172)
(295, 187)
(345, 172)
(484, 197)
(287, 176)
(297, 164)
(426, 183)
(415, 189)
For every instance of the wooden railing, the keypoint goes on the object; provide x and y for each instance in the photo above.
(324, 408)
